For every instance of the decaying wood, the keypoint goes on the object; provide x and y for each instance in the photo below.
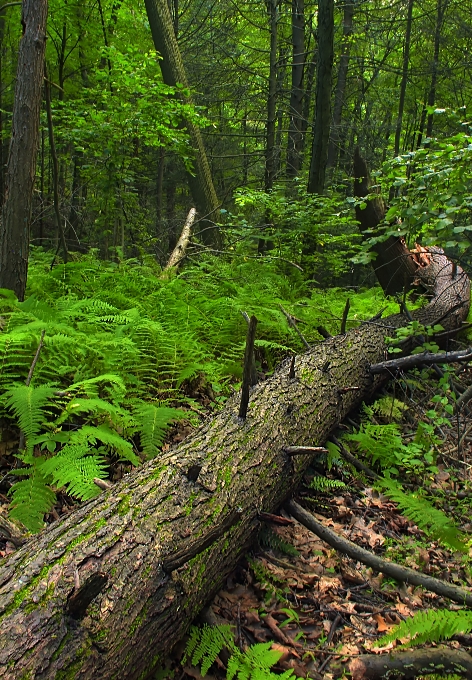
(178, 253)
(412, 664)
(194, 511)
(396, 571)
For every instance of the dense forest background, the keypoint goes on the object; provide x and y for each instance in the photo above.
(282, 91)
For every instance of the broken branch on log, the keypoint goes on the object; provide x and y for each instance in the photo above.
(402, 574)
(300, 450)
(426, 359)
(248, 372)
(292, 323)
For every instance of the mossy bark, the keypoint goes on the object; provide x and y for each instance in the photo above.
(128, 610)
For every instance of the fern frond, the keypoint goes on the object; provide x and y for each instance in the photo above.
(323, 484)
(27, 404)
(31, 498)
(153, 422)
(111, 440)
(380, 442)
(114, 384)
(429, 626)
(212, 639)
(75, 467)
(428, 518)
(268, 538)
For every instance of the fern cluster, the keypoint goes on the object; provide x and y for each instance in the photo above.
(255, 663)
(384, 446)
(120, 345)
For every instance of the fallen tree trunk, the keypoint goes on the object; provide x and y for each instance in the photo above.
(107, 591)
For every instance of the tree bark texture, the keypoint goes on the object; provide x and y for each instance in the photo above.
(108, 590)
(335, 136)
(21, 167)
(324, 76)
(394, 265)
(403, 84)
(173, 73)
(295, 130)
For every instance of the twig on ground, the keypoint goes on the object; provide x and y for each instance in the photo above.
(402, 574)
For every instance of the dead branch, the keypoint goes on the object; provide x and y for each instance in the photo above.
(403, 574)
(178, 253)
(426, 359)
(412, 664)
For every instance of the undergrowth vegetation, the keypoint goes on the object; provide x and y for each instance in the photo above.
(123, 350)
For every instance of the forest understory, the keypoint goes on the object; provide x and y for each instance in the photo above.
(316, 608)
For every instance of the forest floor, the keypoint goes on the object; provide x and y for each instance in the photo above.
(321, 608)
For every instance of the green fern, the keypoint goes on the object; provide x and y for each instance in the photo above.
(324, 484)
(207, 642)
(27, 403)
(382, 443)
(75, 468)
(152, 424)
(32, 497)
(428, 518)
(268, 538)
(429, 626)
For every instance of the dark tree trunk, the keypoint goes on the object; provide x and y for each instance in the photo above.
(173, 72)
(319, 154)
(394, 265)
(106, 592)
(21, 168)
(440, 12)
(441, 9)
(270, 160)
(335, 136)
(406, 62)
(295, 131)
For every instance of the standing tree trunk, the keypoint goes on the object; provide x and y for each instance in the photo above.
(270, 156)
(295, 132)
(335, 136)
(440, 12)
(21, 167)
(319, 155)
(406, 61)
(173, 72)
